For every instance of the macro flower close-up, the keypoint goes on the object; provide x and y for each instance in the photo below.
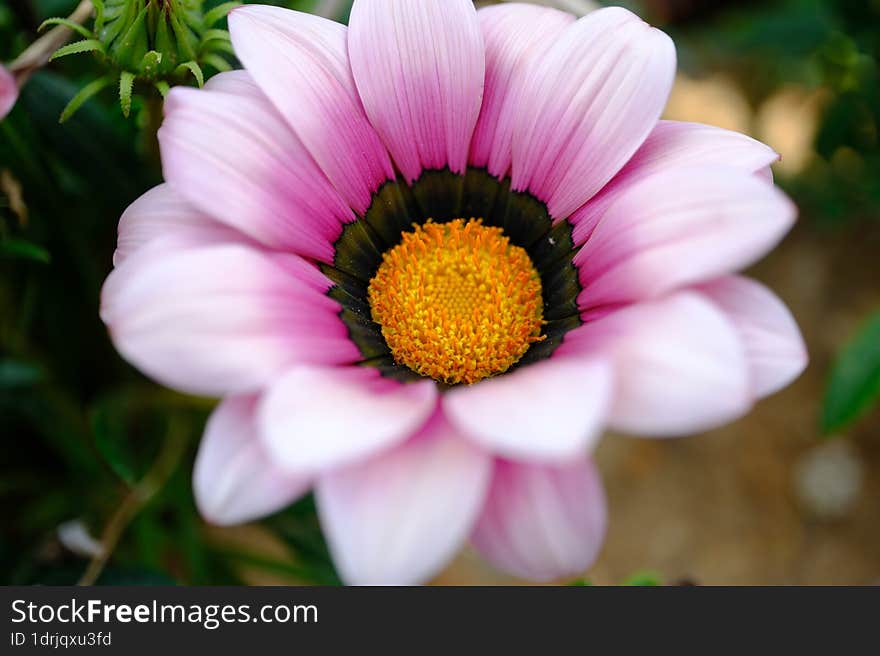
(428, 259)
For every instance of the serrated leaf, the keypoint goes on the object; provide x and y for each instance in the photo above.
(66, 22)
(193, 68)
(854, 385)
(219, 12)
(77, 47)
(19, 248)
(126, 84)
(84, 94)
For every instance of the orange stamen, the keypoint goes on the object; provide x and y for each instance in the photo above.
(457, 301)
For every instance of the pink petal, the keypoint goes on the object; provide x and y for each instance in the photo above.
(674, 144)
(419, 68)
(398, 518)
(679, 365)
(313, 418)
(237, 82)
(515, 35)
(232, 156)
(161, 213)
(301, 63)
(766, 174)
(550, 411)
(234, 481)
(677, 228)
(220, 319)
(775, 350)
(8, 92)
(588, 105)
(543, 523)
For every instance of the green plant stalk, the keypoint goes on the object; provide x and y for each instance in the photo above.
(138, 497)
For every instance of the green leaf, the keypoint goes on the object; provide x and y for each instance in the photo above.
(219, 46)
(127, 434)
(577, 583)
(193, 68)
(99, 15)
(108, 430)
(150, 63)
(126, 83)
(186, 40)
(76, 27)
(855, 380)
(215, 35)
(14, 373)
(163, 87)
(25, 250)
(645, 579)
(219, 12)
(86, 45)
(217, 62)
(131, 47)
(84, 94)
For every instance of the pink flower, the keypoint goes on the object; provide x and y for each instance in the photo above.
(447, 381)
(8, 92)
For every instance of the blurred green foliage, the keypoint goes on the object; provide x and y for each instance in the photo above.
(82, 430)
(833, 45)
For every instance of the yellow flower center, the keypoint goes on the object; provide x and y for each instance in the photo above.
(457, 301)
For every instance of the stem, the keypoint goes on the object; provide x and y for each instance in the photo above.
(37, 54)
(154, 105)
(164, 465)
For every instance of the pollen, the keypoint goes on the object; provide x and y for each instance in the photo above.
(456, 301)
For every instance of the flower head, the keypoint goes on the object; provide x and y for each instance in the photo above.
(427, 259)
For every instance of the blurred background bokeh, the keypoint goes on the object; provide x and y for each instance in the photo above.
(95, 460)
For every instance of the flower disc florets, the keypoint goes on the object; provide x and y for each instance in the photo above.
(457, 301)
